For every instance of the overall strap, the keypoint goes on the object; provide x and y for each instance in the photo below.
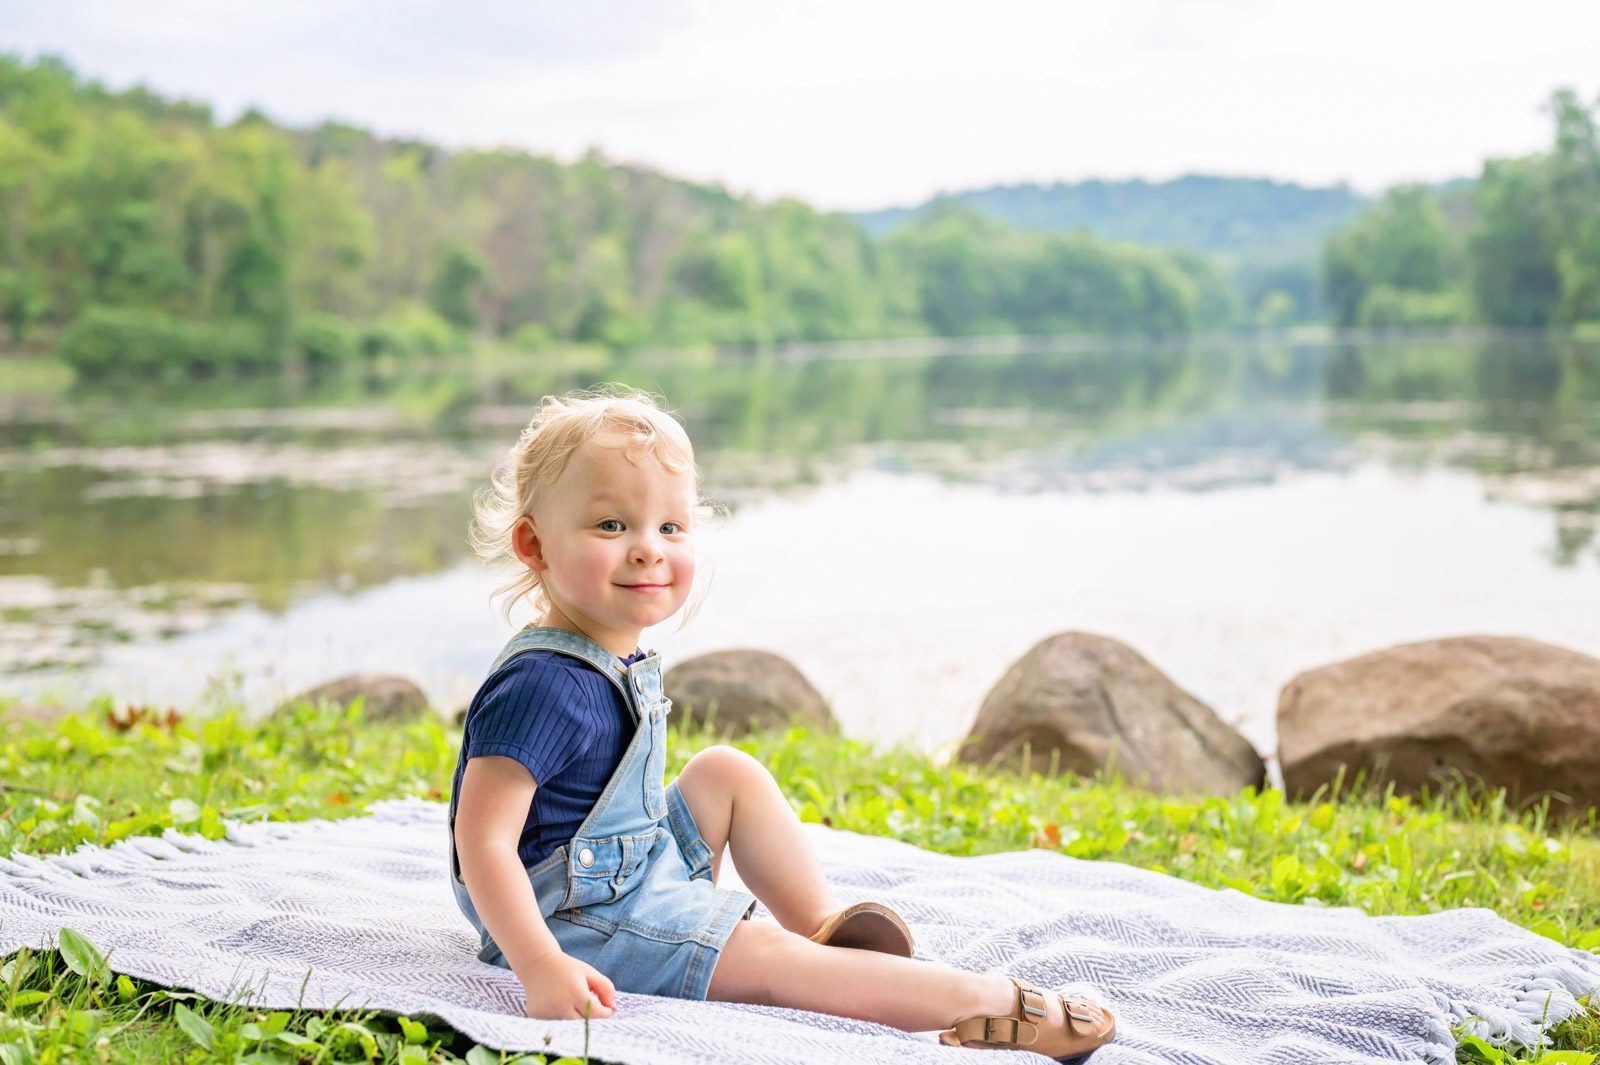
(573, 644)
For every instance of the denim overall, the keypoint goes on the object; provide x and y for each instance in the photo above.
(631, 892)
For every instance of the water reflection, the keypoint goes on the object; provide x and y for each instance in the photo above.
(1524, 415)
(133, 518)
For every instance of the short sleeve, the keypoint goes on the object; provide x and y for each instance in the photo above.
(533, 710)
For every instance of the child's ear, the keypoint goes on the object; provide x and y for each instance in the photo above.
(526, 546)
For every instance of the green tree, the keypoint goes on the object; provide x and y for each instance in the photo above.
(42, 99)
(952, 254)
(973, 275)
(454, 286)
(1401, 243)
(602, 291)
(253, 283)
(408, 222)
(23, 297)
(140, 219)
(822, 276)
(331, 240)
(103, 229)
(1574, 201)
(1513, 249)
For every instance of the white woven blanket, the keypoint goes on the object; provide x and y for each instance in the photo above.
(359, 913)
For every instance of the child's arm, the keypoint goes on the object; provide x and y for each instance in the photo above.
(490, 812)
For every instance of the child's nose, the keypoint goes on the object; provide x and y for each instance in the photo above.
(646, 549)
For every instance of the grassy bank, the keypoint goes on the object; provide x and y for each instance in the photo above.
(105, 776)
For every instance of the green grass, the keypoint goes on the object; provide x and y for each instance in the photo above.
(1386, 854)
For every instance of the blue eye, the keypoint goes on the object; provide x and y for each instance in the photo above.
(670, 528)
(611, 525)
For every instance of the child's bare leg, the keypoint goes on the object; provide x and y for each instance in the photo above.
(764, 964)
(737, 805)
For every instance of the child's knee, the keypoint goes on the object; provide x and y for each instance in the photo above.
(722, 767)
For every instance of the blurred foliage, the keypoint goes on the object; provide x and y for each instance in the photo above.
(972, 275)
(147, 240)
(1262, 236)
(1393, 259)
(1255, 218)
(150, 241)
(1521, 248)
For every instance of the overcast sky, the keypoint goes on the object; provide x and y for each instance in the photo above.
(870, 103)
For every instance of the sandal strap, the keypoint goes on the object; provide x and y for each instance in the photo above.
(1079, 1019)
(995, 1031)
(1020, 1028)
(1030, 1001)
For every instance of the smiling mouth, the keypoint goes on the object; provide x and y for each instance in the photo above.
(645, 588)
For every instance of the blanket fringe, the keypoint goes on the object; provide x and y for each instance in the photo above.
(1552, 995)
(1440, 1048)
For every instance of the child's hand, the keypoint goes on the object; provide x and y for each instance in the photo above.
(566, 989)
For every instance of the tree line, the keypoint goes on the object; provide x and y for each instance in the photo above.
(1251, 218)
(1519, 247)
(138, 233)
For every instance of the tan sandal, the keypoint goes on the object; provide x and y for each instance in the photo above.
(866, 926)
(1087, 1027)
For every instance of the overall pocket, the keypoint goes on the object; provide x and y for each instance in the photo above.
(602, 870)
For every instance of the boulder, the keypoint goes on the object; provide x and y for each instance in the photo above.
(384, 697)
(744, 690)
(1082, 703)
(1500, 711)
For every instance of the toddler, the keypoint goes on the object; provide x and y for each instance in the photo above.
(583, 874)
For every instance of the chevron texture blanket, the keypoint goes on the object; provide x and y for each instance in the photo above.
(358, 913)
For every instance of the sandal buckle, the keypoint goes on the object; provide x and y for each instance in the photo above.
(990, 1036)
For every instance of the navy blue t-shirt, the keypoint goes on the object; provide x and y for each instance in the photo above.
(565, 723)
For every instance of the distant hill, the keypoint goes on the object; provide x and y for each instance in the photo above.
(1250, 217)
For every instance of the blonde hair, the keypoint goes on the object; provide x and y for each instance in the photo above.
(638, 424)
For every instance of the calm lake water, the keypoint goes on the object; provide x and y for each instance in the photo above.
(901, 528)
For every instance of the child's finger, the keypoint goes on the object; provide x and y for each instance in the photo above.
(599, 1010)
(603, 988)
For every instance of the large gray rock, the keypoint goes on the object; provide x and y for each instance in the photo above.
(1083, 702)
(745, 690)
(384, 697)
(1498, 710)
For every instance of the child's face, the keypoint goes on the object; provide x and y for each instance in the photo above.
(612, 544)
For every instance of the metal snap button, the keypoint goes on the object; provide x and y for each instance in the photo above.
(586, 857)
